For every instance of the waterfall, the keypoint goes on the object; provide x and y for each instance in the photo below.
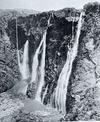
(63, 80)
(19, 63)
(42, 65)
(35, 64)
(24, 66)
(45, 92)
(42, 69)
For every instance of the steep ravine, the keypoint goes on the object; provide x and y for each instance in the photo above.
(83, 95)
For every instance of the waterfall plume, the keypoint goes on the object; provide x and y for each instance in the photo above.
(45, 92)
(42, 69)
(24, 65)
(35, 64)
(63, 80)
(21, 87)
(42, 65)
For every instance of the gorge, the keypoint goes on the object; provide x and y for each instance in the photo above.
(51, 60)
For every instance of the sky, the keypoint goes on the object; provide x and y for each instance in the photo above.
(43, 5)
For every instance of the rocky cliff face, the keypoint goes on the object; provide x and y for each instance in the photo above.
(8, 65)
(83, 94)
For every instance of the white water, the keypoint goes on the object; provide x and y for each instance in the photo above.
(63, 80)
(42, 69)
(45, 92)
(35, 64)
(24, 65)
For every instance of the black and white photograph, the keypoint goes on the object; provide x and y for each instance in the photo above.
(49, 60)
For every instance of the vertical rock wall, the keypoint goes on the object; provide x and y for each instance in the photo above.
(83, 99)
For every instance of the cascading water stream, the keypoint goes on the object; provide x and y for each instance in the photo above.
(45, 92)
(42, 66)
(24, 66)
(21, 87)
(63, 80)
(19, 63)
(35, 64)
(42, 69)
